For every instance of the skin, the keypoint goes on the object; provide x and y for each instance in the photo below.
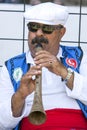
(44, 58)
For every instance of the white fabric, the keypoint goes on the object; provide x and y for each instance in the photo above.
(55, 93)
(47, 13)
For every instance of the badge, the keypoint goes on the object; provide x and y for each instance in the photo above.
(17, 74)
(71, 62)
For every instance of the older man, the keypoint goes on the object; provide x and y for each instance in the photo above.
(63, 70)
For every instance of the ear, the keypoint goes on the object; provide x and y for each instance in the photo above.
(62, 32)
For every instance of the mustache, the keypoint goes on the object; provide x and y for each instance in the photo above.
(39, 40)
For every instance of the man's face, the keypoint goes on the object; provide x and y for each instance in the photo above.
(48, 36)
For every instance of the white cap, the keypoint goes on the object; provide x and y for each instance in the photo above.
(47, 13)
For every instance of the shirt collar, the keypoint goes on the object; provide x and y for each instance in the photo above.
(29, 58)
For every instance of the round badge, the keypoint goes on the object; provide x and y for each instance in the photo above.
(71, 62)
(17, 75)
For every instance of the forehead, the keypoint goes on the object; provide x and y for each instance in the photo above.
(47, 25)
(36, 23)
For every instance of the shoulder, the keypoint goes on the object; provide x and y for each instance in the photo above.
(16, 61)
(18, 56)
(72, 50)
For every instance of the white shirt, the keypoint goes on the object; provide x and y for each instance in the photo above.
(55, 93)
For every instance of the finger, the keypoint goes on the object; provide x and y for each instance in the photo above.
(34, 72)
(46, 64)
(42, 54)
(42, 60)
(36, 67)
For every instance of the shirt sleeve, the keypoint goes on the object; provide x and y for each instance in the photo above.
(80, 83)
(7, 121)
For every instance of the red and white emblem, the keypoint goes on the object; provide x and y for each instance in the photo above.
(71, 62)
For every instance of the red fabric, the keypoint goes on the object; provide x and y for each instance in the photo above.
(59, 119)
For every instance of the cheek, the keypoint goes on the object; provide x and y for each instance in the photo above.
(57, 37)
(54, 38)
(31, 47)
(54, 41)
(31, 35)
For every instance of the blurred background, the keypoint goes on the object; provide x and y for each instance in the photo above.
(13, 29)
(34, 2)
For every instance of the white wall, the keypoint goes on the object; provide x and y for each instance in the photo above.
(11, 26)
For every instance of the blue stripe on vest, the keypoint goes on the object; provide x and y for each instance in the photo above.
(72, 57)
(15, 63)
(12, 64)
(75, 53)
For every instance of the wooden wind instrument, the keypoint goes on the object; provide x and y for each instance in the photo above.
(37, 114)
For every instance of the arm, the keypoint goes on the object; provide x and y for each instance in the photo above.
(76, 85)
(13, 104)
(6, 91)
(27, 86)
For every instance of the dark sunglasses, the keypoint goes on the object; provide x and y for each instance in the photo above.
(48, 29)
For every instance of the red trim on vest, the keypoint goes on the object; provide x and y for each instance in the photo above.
(59, 119)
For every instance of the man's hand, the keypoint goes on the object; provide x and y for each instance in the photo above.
(46, 59)
(27, 84)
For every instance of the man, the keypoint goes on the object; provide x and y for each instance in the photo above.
(63, 71)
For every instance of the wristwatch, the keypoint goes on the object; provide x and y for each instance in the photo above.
(69, 74)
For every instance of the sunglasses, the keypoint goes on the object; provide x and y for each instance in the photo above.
(48, 29)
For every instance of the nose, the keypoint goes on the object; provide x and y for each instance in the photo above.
(39, 32)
